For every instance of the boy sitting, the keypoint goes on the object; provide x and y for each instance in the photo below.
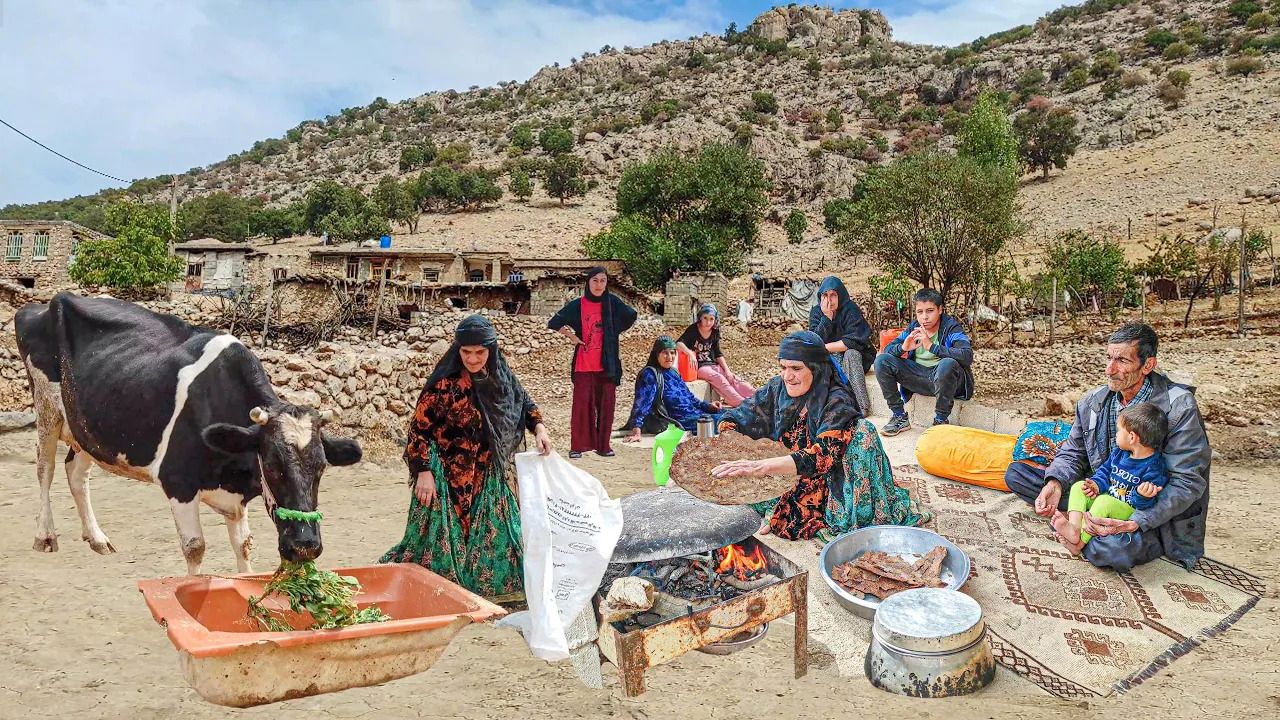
(1129, 480)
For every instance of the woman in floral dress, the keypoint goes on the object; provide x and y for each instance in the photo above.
(844, 480)
(464, 522)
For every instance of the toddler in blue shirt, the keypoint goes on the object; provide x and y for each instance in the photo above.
(1131, 477)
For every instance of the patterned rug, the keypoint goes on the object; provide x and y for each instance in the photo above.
(1072, 630)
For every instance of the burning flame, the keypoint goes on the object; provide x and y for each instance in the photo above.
(742, 564)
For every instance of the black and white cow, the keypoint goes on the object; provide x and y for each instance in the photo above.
(149, 397)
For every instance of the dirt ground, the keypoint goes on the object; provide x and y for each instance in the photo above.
(80, 641)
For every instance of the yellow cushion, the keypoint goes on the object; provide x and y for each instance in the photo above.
(966, 455)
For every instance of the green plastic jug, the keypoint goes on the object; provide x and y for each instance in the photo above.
(664, 448)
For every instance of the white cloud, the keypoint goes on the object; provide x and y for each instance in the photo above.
(952, 23)
(154, 87)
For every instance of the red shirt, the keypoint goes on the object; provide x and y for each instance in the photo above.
(591, 353)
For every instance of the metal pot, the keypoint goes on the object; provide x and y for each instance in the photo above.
(706, 427)
(734, 643)
(930, 643)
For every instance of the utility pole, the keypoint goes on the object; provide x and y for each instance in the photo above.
(377, 309)
(173, 212)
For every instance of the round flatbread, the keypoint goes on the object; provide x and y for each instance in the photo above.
(694, 460)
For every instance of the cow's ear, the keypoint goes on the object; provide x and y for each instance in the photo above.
(340, 451)
(231, 439)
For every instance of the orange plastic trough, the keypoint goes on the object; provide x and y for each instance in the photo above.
(229, 661)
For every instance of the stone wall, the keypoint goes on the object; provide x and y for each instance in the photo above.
(686, 292)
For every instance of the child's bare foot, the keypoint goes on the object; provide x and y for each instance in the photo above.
(764, 528)
(1068, 534)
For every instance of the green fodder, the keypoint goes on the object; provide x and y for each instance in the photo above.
(326, 595)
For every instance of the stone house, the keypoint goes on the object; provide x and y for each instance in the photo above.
(38, 253)
(686, 292)
(212, 265)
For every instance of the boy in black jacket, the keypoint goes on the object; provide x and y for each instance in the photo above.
(931, 357)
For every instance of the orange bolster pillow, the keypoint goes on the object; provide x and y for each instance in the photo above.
(967, 455)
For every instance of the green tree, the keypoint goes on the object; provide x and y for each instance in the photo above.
(136, 255)
(1158, 39)
(935, 216)
(1075, 80)
(562, 178)
(1046, 135)
(1031, 80)
(477, 189)
(454, 155)
(279, 223)
(987, 136)
(522, 137)
(218, 215)
(696, 211)
(1177, 51)
(1105, 64)
(395, 202)
(343, 212)
(521, 184)
(796, 224)
(813, 67)
(764, 102)
(555, 140)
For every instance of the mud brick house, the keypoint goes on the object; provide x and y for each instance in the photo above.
(38, 253)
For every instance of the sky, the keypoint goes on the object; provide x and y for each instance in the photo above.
(147, 87)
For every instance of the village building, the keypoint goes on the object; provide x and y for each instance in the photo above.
(39, 253)
(213, 266)
(687, 292)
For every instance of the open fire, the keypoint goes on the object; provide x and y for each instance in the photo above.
(741, 563)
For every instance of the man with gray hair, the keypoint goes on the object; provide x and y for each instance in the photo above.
(1175, 526)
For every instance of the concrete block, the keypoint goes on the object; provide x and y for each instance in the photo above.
(701, 389)
(1010, 424)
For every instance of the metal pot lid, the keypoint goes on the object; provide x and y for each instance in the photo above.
(669, 522)
(929, 620)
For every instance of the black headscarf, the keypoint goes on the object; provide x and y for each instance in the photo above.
(847, 325)
(664, 342)
(586, 290)
(771, 411)
(497, 392)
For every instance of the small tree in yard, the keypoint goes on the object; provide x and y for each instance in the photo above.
(1091, 267)
(563, 178)
(698, 211)
(933, 215)
(1046, 135)
(136, 256)
(1206, 264)
(521, 185)
(795, 225)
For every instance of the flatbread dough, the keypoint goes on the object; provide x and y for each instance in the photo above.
(694, 460)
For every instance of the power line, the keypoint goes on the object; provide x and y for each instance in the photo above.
(55, 152)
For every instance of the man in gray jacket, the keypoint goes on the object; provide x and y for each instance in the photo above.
(1175, 525)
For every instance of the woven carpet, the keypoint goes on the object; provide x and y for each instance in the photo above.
(1072, 630)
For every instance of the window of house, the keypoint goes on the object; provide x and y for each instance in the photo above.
(14, 250)
(27, 282)
(353, 268)
(430, 275)
(458, 302)
(40, 246)
(511, 307)
(475, 276)
(195, 269)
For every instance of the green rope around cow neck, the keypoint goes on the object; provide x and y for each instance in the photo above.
(299, 515)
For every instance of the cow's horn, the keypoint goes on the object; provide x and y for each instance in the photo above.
(327, 416)
(259, 416)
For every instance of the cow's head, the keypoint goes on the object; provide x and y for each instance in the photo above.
(292, 451)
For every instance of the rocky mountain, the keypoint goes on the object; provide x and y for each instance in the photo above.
(821, 95)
